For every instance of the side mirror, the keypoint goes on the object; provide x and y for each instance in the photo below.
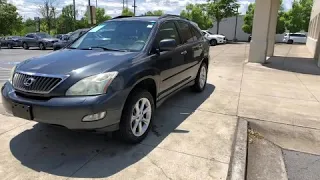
(66, 38)
(167, 45)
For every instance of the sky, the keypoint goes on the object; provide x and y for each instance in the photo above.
(29, 8)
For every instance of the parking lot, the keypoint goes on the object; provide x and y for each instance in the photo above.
(191, 137)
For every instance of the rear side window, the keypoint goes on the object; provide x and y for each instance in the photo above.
(29, 36)
(168, 30)
(197, 35)
(185, 32)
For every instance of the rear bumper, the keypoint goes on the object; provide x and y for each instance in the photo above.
(69, 111)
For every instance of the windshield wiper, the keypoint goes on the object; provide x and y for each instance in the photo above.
(107, 49)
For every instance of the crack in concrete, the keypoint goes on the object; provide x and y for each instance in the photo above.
(157, 166)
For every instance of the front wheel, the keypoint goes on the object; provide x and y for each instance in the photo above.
(10, 46)
(41, 46)
(201, 79)
(137, 116)
(213, 42)
(25, 46)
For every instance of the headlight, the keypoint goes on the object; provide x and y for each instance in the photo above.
(12, 74)
(93, 85)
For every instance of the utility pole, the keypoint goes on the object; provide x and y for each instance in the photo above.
(235, 28)
(96, 3)
(134, 7)
(91, 18)
(74, 14)
(122, 5)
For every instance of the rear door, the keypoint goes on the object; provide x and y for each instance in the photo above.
(169, 63)
(192, 47)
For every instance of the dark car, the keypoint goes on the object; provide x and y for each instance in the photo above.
(113, 77)
(66, 39)
(10, 41)
(59, 36)
(41, 40)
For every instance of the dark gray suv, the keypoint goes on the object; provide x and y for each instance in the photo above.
(113, 77)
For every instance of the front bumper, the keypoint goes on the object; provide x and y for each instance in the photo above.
(222, 41)
(69, 111)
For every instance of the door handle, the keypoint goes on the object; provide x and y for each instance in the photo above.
(184, 52)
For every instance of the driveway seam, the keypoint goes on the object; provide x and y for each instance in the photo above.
(14, 128)
(203, 110)
(307, 88)
(210, 159)
(256, 95)
(84, 164)
(245, 52)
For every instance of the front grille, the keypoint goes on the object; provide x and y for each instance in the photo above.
(35, 83)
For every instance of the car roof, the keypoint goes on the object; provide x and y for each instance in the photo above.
(147, 18)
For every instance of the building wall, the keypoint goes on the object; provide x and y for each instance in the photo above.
(227, 27)
(313, 42)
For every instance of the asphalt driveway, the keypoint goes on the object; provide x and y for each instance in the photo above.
(191, 137)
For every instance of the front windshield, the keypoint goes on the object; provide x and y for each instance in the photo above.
(116, 35)
(209, 32)
(43, 35)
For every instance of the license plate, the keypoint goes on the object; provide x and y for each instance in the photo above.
(22, 111)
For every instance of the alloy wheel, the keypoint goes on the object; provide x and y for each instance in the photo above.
(203, 76)
(141, 116)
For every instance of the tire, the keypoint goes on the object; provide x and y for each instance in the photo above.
(290, 41)
(213, 42)
(42, 46)
(127, 131)
(201, 79)
(9, 46)
(25, 46)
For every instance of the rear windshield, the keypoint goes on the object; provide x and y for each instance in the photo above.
(117, 35)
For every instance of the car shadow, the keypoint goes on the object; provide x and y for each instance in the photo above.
(62, 152)
(294, 64)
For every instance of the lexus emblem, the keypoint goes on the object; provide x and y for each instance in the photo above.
(27, 82)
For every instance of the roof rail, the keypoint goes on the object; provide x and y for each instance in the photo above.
(118, 17)
(171, 15)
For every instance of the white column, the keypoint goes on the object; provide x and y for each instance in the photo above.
(260, 31)
(273, 26)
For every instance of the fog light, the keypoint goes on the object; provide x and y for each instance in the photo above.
(94, 117)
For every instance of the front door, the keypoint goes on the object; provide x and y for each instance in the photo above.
(170, 63)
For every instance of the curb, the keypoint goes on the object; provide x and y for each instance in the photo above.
(238, 161)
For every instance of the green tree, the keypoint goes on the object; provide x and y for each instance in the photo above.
(306, 8)
(198, 14)
(47, 11)
(220, 9)
(101, 16)
(10, 20)
(28, 26)
(127, 12)
(65, 22)
(248, 20)
(154, 13)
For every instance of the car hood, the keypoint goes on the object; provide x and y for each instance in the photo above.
(70, 61)
(217, 36)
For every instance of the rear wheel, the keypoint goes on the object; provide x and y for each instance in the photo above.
(137, 116)
(201, 79)
(290, 41)
(9, 46)
(25, 46)
(42, 46)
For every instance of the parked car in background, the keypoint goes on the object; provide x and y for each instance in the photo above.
(41, 40)
(249, 38)
(66, 39)
(11, 42)
(214, 39)
(291, 38)
(113, 77)
(59, 36)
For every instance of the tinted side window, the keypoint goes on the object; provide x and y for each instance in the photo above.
(29, 35)
(196, 33)
(185, 32)
(168, 30)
